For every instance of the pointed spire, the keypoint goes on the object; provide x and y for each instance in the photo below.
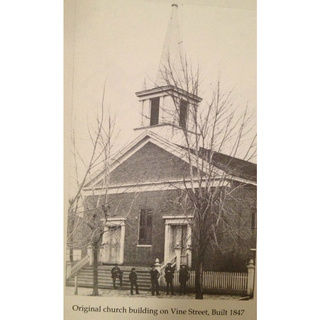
(173, 46)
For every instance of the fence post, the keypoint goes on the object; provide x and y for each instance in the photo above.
(250, 284)
(76, 285)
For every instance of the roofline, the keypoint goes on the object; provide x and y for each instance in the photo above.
(167, 88)
(178, 151)
(163, 124)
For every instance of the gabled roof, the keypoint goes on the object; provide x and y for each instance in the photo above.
(230, 165)
(138, 143)
(237, 169)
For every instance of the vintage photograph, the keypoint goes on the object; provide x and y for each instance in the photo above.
(160, 149)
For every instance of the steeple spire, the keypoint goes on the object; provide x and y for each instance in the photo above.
(172, 50)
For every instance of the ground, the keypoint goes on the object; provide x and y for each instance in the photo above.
(69, 291)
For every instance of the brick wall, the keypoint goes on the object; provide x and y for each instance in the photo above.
(129, 206)
(150, 163)
(234, 248)
(240, 236)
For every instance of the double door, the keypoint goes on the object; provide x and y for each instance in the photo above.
(111, 245)
(178, 240)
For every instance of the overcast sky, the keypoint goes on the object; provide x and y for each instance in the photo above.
(121, 41)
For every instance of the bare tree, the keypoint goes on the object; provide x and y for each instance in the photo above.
(215, 137)
(86, 225)
(88, 213)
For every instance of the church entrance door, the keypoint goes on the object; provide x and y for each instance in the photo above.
(112, 250)
(178, 240)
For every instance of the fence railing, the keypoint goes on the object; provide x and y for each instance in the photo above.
(218, 282)
(78, 266)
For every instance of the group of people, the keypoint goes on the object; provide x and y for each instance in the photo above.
(184, 276)
(169, 276)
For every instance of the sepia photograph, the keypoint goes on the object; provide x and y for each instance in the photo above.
(160, 149)
(131, 135)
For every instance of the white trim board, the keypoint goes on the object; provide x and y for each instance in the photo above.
(148, 186)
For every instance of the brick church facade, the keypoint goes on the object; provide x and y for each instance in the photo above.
(145, 221)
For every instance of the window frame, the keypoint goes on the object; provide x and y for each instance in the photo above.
(147, 242)
(183, 103)
(156, 108)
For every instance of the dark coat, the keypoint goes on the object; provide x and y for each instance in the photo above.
(133, 276)
(116, 272)
(154, 275)
(183, 275)
(169, 273)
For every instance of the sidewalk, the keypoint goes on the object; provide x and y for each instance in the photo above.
(69, 291)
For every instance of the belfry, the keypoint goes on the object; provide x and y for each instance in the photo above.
(165, 108)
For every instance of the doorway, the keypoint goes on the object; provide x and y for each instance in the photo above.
(113, 241)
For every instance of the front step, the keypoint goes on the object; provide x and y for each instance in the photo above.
(85, 277)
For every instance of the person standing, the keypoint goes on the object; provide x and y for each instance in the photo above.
(183, 278)
(154, 280)
(116, 273)
(133, 281)
(169, 275)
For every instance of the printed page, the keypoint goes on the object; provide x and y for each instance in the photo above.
(160, 159)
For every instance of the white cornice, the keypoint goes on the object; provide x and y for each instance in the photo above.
(150, 186)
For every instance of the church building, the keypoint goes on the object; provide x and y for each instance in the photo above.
(145, 221)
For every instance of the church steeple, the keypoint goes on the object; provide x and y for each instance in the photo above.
(165, 107)
(172, 51)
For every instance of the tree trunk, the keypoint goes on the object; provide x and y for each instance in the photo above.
(198, 280)
(95, 249)
(71, 226)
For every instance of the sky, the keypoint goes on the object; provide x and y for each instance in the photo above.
(120, 43)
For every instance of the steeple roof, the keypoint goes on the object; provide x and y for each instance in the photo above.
(172, 50)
